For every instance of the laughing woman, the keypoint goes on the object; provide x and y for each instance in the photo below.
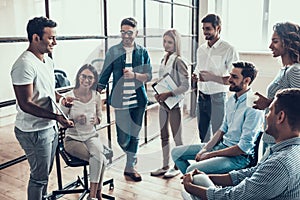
(286, 44)
(82, 141)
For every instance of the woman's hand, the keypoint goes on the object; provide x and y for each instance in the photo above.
(163, 96)
(262, 102)
(68, 101)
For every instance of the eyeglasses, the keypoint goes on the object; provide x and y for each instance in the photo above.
(89, 78)
(129, 33)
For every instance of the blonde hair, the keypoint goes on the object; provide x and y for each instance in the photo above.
(175, 35)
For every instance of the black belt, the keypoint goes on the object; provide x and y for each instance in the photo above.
(203, 96)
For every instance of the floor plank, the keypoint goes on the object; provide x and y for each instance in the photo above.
(13, 180)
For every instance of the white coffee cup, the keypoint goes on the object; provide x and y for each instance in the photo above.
(251, 97)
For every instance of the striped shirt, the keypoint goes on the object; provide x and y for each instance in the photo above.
(277, 177)
(129, 93)
(287, 77)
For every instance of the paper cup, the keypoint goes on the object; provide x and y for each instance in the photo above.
(251, 97)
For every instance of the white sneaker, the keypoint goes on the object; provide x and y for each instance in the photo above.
(171, 173)
(158, 172)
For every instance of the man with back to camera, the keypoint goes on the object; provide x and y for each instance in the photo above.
(232, 146)
(33, 82)
(214, 62)
(130, 65)
(276, 177)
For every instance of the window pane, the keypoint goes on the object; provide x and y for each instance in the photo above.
(117, 12)
(289, 13)
(183, 26)
(184, 2)
(242, 23)
(9, 54)
(71, 55)
(18, 15)
(77, 21)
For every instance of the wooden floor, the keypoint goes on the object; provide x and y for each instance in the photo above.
(13, 180)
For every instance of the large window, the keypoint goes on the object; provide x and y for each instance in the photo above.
(247, 24)
(82, 27)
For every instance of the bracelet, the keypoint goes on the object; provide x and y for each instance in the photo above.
(134, 75)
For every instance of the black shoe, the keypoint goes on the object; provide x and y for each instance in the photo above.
(134, 175)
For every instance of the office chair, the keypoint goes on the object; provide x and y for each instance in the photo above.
(72, 161)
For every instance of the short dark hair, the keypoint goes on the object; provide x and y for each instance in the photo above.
(214, 19)
(93, 70)
(287, 100)
(248, 69)
(37, 25)
(129, 21)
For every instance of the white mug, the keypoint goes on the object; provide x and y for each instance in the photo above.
(251, 97)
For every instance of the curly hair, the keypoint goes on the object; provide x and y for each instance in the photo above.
(289, 33)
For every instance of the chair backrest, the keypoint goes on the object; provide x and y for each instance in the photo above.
(61, 79)
(254, 159)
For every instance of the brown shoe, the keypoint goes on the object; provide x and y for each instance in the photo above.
(134, 175)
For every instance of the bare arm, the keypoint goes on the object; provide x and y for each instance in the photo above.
(129, 74)
(221, 179)
(24, 97)
(209, 76)
(262, 102)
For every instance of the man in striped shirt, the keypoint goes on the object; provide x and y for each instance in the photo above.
(276, 177)
(129, 64)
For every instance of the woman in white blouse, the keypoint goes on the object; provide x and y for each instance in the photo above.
(82, 141)
(173, 64)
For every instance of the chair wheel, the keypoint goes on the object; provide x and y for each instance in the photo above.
(111, 186)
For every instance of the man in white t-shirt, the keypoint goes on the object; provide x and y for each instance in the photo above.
(214, 61)
(34, 82)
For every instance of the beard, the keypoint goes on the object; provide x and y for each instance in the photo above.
(209, 37)
(235, 88)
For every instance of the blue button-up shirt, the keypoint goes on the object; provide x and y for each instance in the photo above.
(242, 124)
(277, 177)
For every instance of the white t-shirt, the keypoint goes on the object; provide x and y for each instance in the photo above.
(217, 59)
(90, 109)
(28, 69)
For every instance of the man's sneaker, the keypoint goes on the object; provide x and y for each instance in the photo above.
(158, 172)
(171, 173)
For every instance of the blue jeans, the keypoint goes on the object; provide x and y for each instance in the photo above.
(129, 124)
(39, 147)
(218, 165)
(210, 113)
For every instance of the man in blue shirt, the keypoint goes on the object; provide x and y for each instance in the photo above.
(232, 145)
(276, 177)
(130, 65)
